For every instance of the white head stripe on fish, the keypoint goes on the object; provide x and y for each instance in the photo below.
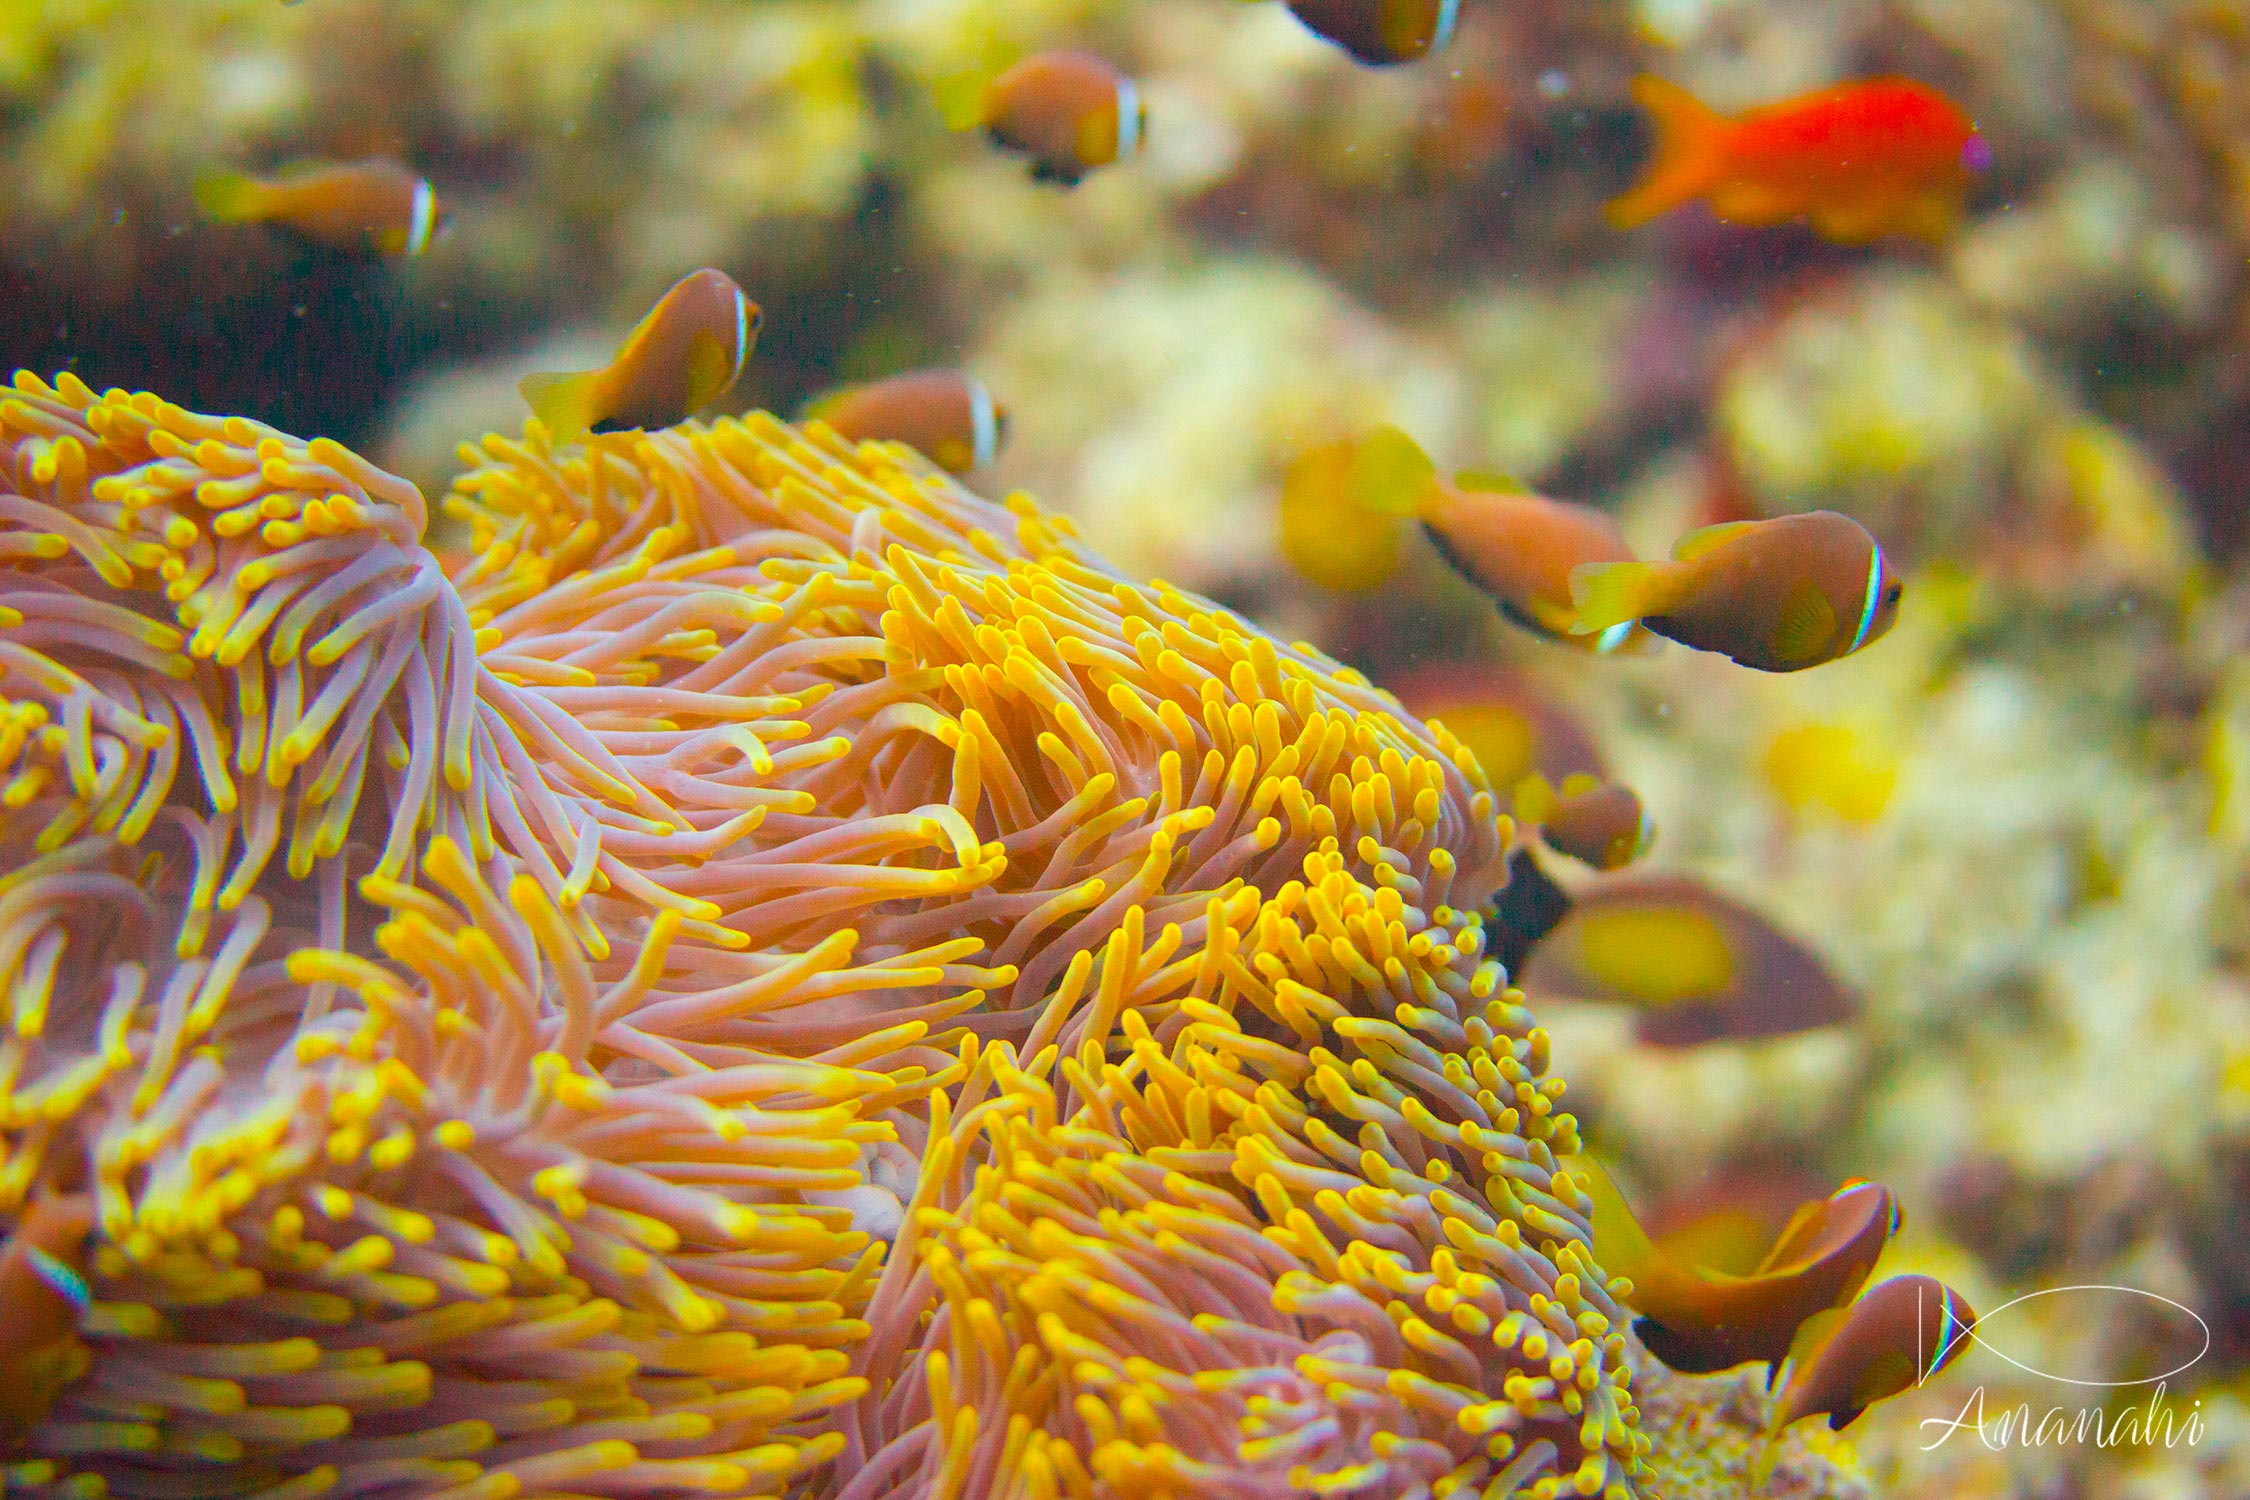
(1448, 13)
(1874, 597)
(1614, 637)
(741, 334)
(423, 218)
(1128, 117)
(67, 1283)
(984, 425)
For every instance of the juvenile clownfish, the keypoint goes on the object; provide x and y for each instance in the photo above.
(946, 415)
(1778, 595)
(1697, 966)
(373, 204)
(1898, 1334)
(1381, 32)
(1698, 1320)
(1069, 111)
(1596, 822)
(1519, 548)
(687, 353)
(43, 1296)
(1860, 161)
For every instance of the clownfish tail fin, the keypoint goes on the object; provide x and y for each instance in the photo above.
(563, 403)
(961, 100)
(1606, 595)
(228, 197)
(1390, 475)
(1690, 146)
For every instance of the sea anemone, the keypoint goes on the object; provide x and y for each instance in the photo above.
(765, 957)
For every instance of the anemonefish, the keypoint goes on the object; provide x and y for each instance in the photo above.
(1860, 161)
(1596, 822)
(375, 204)
(687, 353)
(1695, 965)
(1381, 32)
(1519, 548)
(1898, 1334)
(1513, 728)
(1698, 1320)
(1069, 111)
(1779, 595)
(43, 1295)
(948, 416)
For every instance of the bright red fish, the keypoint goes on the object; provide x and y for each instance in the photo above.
(1861, 161)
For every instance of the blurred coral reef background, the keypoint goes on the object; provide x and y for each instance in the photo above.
(2042, 886)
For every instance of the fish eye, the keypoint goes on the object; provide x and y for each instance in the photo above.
(1892, 591)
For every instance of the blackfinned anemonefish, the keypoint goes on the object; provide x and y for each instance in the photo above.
(1381, 32)
(1596, 822)
(1520, 548)
(1695, 965)
(376, 204)
(1698, 1320)
(1779, 595)
(1860, 161)
(946, 415)
(43, 1295)
(687, 353)
(1069, 111)
(1900, 1332)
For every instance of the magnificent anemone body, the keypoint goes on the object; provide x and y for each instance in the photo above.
(767, 974)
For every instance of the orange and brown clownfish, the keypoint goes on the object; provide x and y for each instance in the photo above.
(1381, 32)
(1596, 822)
(43, 1296)
(1697, 1320)
(1520, 548)
(946, 415)
(1898, 1334)
(685, 354)
(375, 204)
(1697, 966)
(1778, 595)
(1069, 111)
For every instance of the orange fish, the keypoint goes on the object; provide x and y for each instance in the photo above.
(948, 416)
(1898, 1334)
(1698, 1320)
(687, 353)
(1069, 111)
(43, 1295)
(1598, 823)
(1381, 32)
(1697, 966)
(1520, 548)
(1514, 729)
(374, 204)
(1779, 595)
(1861, 161)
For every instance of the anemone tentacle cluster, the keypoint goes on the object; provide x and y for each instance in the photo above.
(764, 974)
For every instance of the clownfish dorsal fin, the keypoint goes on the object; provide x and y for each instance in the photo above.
(1390, 475)
(1490, 482)
(1704, 538)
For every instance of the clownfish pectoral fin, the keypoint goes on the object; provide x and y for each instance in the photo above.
(1390, 474)
(1807, 626)
(229, 197)
(961, 100)
(1704, 538)
(710, 371)
(1611, 594)
(563, 403)
(1678, 1352)
(1691, 142)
